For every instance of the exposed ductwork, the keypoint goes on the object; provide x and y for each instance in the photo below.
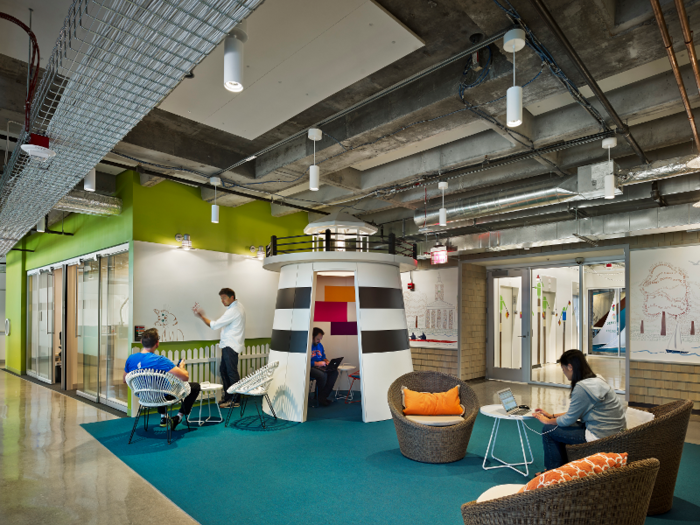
(621, 225)
(88, 203)
(661, 169)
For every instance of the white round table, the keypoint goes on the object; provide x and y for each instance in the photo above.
(344, 369)
(498, 413)
(208, 389)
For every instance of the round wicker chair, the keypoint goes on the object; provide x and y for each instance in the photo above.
(661, 438)
(156, 389)
(618, 496)
(432, 444)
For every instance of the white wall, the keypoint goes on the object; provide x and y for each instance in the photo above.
(2, 316)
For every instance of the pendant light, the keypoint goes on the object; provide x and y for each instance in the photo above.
(609, 180)
(41, 225)
(215, 181)
(315, 135)
(233, 58)
(442, 185)
(514, 41)
(90, 180)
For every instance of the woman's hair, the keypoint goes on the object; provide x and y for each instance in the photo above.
(317, 331)
(581, 368)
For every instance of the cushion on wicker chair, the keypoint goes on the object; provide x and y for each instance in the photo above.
(431, 403)
(580, 468)
(436, 421)
(499, 491)
(636, 417)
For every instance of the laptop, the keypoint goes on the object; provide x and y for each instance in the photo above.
(333, 365)
(510, 404)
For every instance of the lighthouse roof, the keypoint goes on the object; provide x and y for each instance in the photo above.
(339, 221)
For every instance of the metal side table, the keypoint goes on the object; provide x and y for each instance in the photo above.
(210, 390)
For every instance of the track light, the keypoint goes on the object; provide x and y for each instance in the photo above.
(215, 181)
(315, 135)
(442, 185)
(233, 58)
(90, 180)
(609, 180)
(514, 41)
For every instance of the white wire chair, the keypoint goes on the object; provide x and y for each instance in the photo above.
(255, 384)
(156, 389)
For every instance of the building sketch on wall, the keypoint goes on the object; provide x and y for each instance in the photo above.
(166, 323)
(431, 310)
(665, 305)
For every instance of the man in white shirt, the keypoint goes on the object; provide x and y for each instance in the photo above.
(232, 325)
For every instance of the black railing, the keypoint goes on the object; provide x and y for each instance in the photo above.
(335, 242)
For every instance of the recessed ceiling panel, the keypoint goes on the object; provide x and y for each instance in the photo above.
(298, 53)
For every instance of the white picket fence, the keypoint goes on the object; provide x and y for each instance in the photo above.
(203, 363)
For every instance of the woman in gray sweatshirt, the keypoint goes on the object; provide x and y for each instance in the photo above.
(594, 407)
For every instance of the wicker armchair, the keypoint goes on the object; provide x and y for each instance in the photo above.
(619, 496)
(661, 438)
(432, 444)
(156, 389)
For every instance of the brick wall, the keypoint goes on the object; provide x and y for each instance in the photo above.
(435, 359)
(659, 383)
(473, 328)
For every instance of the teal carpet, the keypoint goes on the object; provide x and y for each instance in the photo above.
(333, 469)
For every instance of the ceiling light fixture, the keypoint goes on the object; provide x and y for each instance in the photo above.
(514, 41)
(41, 225)
(609, 181)
(443, 211)
(38, 148)
(315, 135)
(90, 180)
(215, 181)
(233, 58)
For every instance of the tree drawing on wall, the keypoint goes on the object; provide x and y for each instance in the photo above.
(415, 304)
(665, 291)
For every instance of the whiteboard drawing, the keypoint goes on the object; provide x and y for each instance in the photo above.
(666, 303)
(431, 310)
(166, 323)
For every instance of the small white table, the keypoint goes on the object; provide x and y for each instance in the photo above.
(208, 389)
(498, 413)
(344, 369)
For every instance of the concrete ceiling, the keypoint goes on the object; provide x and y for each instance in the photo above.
(397, 139)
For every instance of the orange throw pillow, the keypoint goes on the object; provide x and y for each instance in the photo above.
(429, 404)
(580, 468)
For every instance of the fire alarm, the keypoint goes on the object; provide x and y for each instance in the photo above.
(412, 287)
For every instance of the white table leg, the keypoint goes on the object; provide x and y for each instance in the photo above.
(492, 446)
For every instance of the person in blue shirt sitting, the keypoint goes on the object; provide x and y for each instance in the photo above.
(324, 379)
(147, 360)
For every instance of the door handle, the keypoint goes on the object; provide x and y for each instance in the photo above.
(522, 336)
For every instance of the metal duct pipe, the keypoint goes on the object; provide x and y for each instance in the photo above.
(503, 201)
(78, 201)
(661, 169)
(621, 127)
(674, 66)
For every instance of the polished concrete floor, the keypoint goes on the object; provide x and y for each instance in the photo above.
(611, 368)
(53, 471)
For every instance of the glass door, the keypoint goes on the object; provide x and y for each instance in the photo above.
(40, 325)
(88, 327)
(33, 324)
(114, 328)
(509, 325)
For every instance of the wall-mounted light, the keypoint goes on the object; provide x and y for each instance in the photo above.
(233, 58)
(609, 180)
(90, 180)
(442, 185)
(514, 41)
(215, 181)
(261, 252)
(186, 242)
(315, 135)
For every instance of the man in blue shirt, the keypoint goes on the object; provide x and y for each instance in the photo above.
(147, 360)
(324, 379)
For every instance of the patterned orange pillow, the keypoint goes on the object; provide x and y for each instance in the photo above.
(580, 468)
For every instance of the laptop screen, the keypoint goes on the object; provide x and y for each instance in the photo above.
(507, 399)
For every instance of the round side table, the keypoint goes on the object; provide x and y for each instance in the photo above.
(210, 390)
(498, 413)
(344, 369)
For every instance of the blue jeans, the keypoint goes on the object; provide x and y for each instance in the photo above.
(554, 443)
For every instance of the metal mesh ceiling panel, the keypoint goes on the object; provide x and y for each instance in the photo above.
(114, 60)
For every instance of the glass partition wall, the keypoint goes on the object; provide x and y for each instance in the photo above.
(96, 326)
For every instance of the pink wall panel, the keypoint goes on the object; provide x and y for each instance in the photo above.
(330, 312)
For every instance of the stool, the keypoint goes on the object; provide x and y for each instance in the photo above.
(344, 369)
(315, 390)
(354, 377)
(210, 390)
